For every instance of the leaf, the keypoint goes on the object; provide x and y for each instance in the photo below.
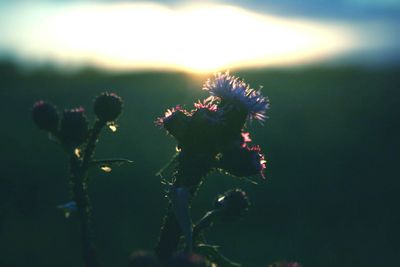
(213, 254)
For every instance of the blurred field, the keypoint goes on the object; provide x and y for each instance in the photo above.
(332, 145)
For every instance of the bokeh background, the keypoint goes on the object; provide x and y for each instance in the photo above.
(331, 71)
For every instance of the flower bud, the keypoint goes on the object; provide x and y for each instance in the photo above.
(243, 161)
(143, 259)
(187, 260)
(108, 106)
(74, 127)
(232, 204)
(204, 129)
(175, 122)
(45, 116)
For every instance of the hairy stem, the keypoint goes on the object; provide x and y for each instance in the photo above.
(91, 144)
(81, 197)
(190, 171)
(79, 179)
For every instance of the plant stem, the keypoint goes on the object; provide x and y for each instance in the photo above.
(80, 191)
(91, 144)
(190, 171)
(79, 179)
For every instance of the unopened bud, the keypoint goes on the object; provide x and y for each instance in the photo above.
(232, 204)
(74, 127)
(45, 116)
(243, 161)
(108, 106)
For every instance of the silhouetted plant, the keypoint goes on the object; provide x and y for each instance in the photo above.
(79, 141)
(210, 137)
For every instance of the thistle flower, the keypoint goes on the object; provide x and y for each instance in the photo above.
(74, 127)
(175, 122)
(192, 129)
(206, 104)
(211, 136)
(205, 129)
(45, 116)
(232, 204)
(108, 106)
(243, 161)
(234, 92)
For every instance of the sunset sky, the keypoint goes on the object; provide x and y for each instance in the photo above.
(199, 35)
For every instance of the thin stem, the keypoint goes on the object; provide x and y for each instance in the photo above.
(91, 144)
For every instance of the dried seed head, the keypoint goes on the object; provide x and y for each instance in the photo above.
(108, 106)
(45, 116)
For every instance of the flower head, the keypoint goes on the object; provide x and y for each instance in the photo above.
(215, 125)
(234, 92)
(196, 128)
(232, 204)
(45, 116)
(206, 104)
(175, 122)
(108, 106)
(243, 161)
(74, 127)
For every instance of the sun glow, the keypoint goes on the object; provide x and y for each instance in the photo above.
(196, 38)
